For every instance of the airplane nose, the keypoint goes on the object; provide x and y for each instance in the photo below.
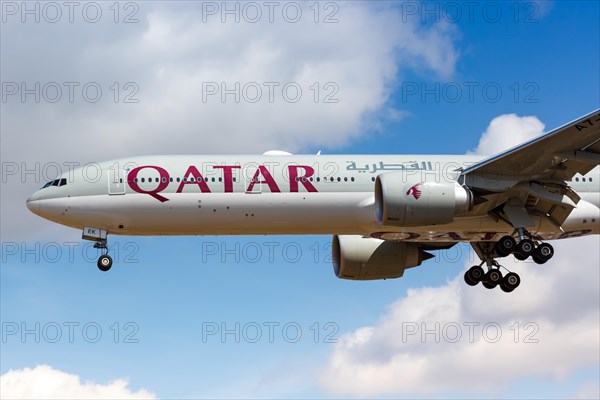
(33, 206)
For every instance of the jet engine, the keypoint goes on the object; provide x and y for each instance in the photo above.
(402, 201)
(364, 258)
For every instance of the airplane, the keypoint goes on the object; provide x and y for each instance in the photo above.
(385, 212)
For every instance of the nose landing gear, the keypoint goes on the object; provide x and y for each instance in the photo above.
(100, 237)
(104, 261)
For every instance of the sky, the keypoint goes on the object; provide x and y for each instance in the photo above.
(264, 316)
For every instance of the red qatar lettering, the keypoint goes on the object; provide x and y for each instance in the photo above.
(162, 185)
(262, 170)
(227, 176)
(198, 180)
(295, 178)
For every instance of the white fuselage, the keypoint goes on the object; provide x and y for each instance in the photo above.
(276, 194)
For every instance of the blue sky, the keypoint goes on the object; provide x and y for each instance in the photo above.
(166, 292)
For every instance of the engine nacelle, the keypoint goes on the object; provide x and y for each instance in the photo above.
(359, 258)
(401, 201)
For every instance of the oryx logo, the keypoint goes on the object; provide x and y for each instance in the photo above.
(414, 191)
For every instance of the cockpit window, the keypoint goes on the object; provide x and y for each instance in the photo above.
(56, 182)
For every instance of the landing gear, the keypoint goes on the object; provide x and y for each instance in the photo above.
(104, 261)
(99, 236)
(522, 247)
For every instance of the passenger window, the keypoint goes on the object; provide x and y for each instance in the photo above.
(576, 179)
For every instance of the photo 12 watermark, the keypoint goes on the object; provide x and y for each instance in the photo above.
(69, 92)
(270, 92)
(454, 12)
(70, 332)
(253, 12)
(468, 92)
(468, 332)
(55, 12)
(269, 332)
(67, 252)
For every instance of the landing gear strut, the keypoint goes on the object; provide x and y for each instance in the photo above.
(522, 248)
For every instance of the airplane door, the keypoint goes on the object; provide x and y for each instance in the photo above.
(116, 181)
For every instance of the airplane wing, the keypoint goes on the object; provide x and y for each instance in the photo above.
(556, 156)
(529, 178)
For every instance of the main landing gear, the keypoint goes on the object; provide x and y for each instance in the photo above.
(522, 249)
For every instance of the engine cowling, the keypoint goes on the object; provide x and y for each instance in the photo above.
(359, 258)
(406, 201)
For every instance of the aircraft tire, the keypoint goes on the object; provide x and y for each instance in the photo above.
(104, 262)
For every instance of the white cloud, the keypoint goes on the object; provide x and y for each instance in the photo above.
(45, 382)
(561, 299)
(506, 131)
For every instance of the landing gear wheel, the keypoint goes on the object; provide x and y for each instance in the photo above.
(543, 253)
(520, 257)
(487, 285)
(510, 282)
(469, 281)
(474, 275)
(492, 279)
(104, 262)
(505, 246)
(525, 248)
